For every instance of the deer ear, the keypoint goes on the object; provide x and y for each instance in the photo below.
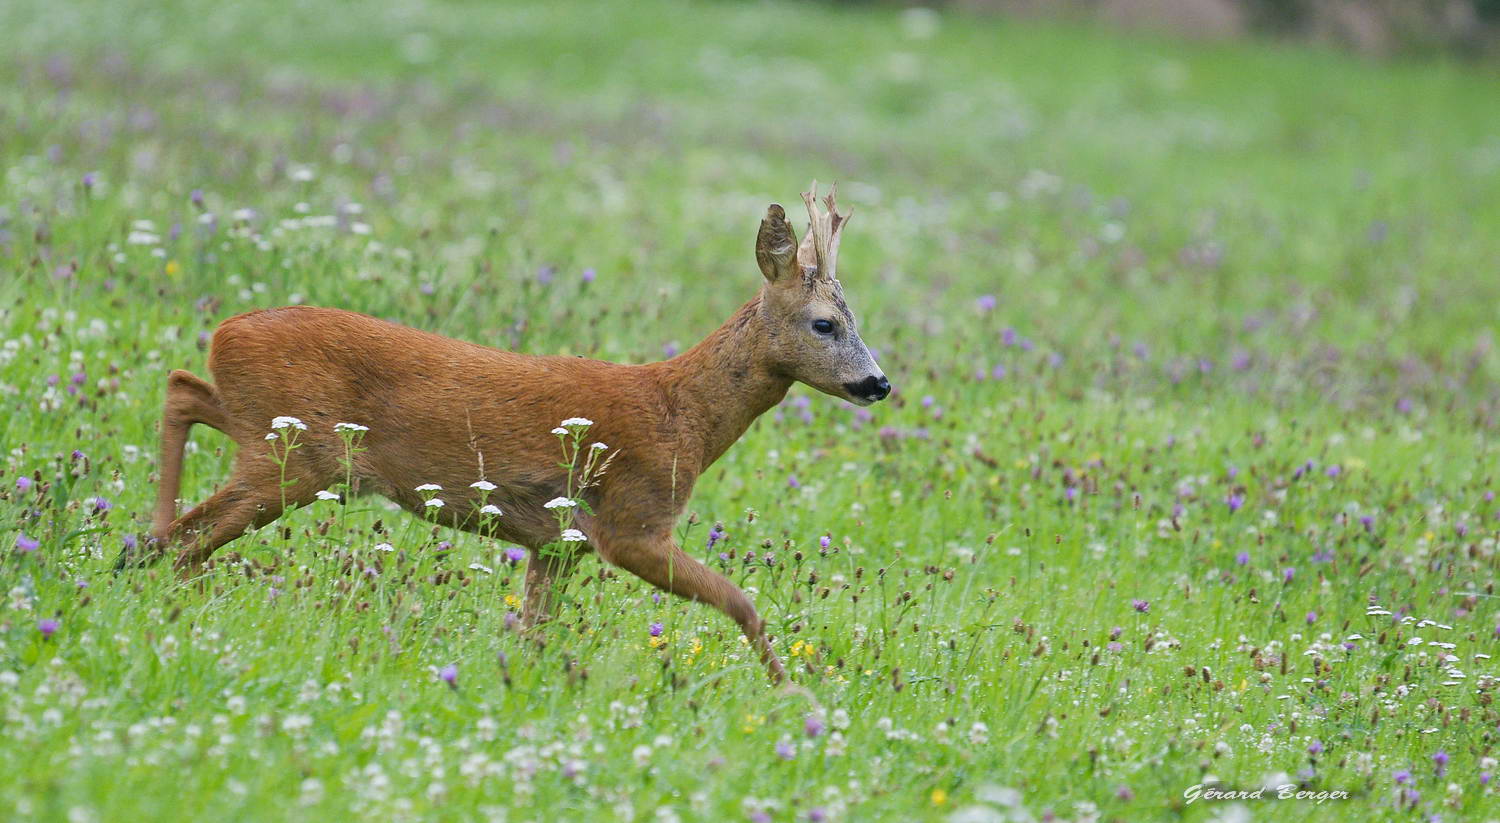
(776, 246)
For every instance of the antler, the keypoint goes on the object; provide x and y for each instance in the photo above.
(818, 254)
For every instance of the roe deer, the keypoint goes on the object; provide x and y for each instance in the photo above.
(452, 413)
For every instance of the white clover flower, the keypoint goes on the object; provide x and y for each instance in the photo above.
(839, 719)
(327, 495)
(142, 238)
(288, 423)
(384, 547)
(480, 567)
(560, 503)
(573, 536)
(559, 430)
(429, 487)
(350, 427)
(490, 509)
(435, 503)
(483, 485)
(598, 447)
(580, 422)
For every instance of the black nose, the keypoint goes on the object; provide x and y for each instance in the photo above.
(871, 388)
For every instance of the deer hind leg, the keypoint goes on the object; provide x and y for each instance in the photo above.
(189, 400)
(662, 564)
(253, 497)
(544, 574)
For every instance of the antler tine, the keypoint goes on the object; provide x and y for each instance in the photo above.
(820, 247)
(836, 225)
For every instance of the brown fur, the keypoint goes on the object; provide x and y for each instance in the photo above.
(448, 412)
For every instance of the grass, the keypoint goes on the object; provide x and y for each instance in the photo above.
(1198, 499)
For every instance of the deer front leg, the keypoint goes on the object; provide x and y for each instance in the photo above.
(658, 561)
(544, 574)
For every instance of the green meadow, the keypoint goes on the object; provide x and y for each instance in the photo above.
(1187, 484)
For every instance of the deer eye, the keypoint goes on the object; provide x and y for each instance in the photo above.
(823, 326)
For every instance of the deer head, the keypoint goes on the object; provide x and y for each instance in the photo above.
(811, 333)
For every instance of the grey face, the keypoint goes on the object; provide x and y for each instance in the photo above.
(818, 342)
(809, 329)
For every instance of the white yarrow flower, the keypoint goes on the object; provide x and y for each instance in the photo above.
(384, 547)
(435, 503)
(350, 427)
(560, 503)
(491, 509)
(483, 485)
(327, 495)
(480, 567)
(598, 447)
(559, 430)
(573, 536)
(429, 487)
(581, 422)
(288, 423)
(271, 435)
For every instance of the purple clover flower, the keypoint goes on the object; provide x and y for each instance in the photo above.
(514, 555)
(27, 544)
(48, 627)
(449, 674)
(656, 629)
(1141, 606)
(785, 750)
(813, 725)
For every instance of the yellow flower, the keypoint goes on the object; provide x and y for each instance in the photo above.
(658, 642)
(753, 722)
(173, 267)
(512, 601)
(697, 646)
(939, 797)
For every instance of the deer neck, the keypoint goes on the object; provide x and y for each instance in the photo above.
(721, 385)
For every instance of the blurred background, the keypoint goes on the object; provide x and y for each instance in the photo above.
(1370, 26)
